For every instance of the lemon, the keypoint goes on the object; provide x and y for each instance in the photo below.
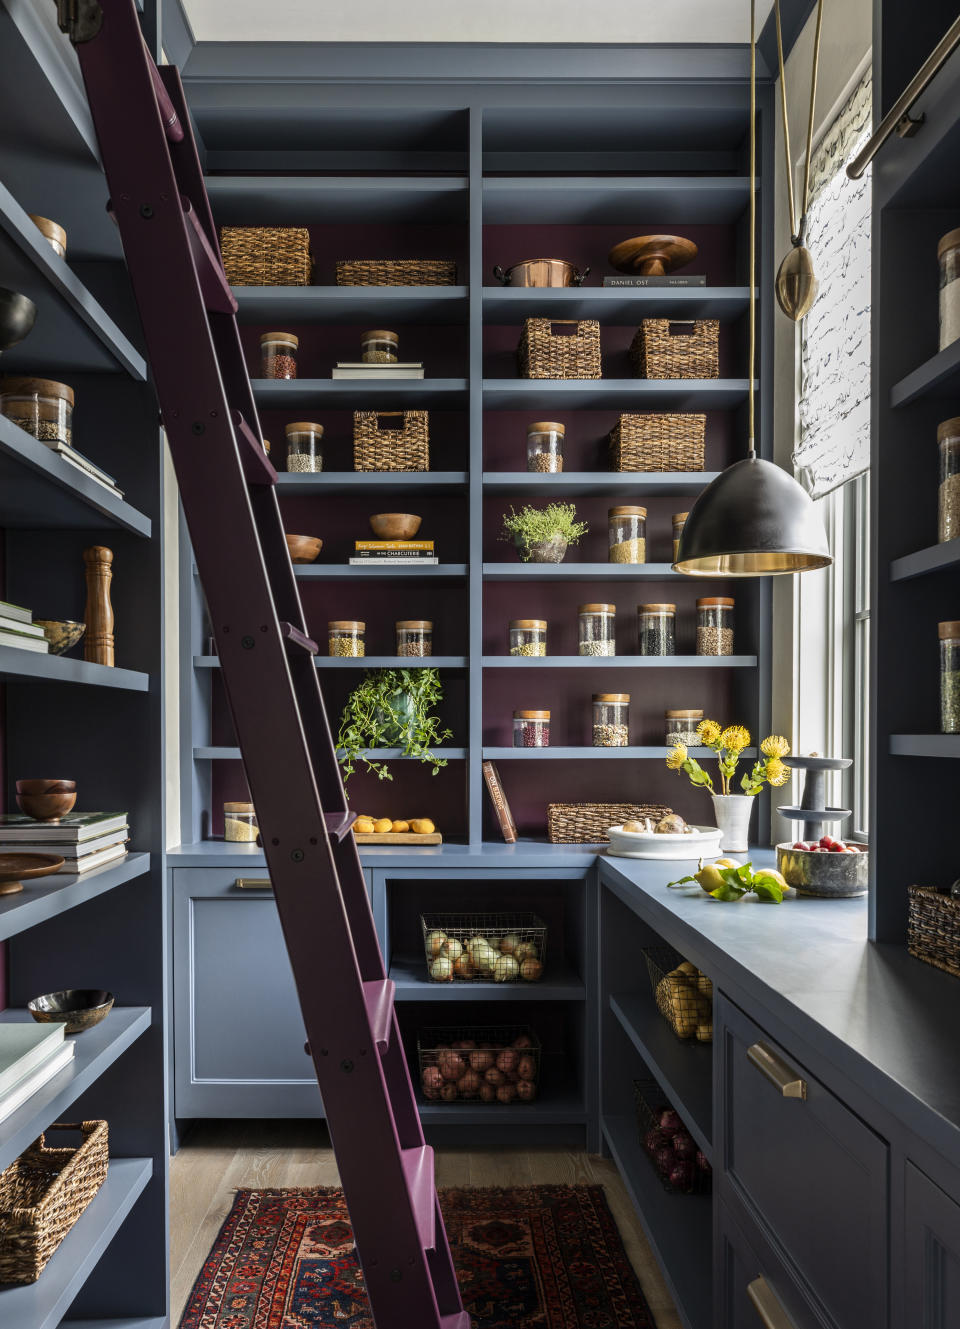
(710, 878)
(771, 874)
(727, 863)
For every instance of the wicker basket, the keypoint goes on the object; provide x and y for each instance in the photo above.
(266, 255)
(378, 446)
(396, 272)
(43, 1193)
(546, 353)
(656, 442)
(666, 348)
(685, 1000)
(933, 928)
(437, 1048)
(651, 1104)
(586, 823)
(461, 960)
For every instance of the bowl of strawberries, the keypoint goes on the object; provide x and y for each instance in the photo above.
(834, 869)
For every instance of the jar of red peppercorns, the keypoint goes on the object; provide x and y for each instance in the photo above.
(278, 355)
(531, 729)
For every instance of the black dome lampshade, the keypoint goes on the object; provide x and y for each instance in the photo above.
(18, 314)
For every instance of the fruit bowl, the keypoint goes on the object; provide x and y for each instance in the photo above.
(825, 872)
(702, 842)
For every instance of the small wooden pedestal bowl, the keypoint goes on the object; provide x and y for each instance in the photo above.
(652, 255)
(15, 869)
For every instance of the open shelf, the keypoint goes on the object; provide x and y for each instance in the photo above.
(651, 484)
(560, 983)
(624, 394)
(32, 665)
(249, 200)
(580, 572)
(359, 662)
(613, 304)
(344, 572)
(352, 304)
(378, 754)
(560, 1103)
(593, 200)
(593, 754)
(620, 662)
(925, 745)
(281, 394)
(937, 377)
(935, 558)
(363, 483)
(45, 897)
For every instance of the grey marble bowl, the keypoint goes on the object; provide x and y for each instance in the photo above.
(833, 876)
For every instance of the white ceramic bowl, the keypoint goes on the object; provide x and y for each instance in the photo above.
(702, 842)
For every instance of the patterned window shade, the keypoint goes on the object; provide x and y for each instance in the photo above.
(834, 444)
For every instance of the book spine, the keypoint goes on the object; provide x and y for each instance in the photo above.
(679, 281)
(413, 554)
(501, 807)
(407, 546)
(393, 560)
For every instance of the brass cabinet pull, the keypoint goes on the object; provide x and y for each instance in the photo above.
(253, 884)
(767, 1305)
(776, 1070)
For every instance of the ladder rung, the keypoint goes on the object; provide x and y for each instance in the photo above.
(214, 287)
(458, 1320)
(257, 466)
(338, 824)
(418, 1170)
(378, 996)
(297, 639)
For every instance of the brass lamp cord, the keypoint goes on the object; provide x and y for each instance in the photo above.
(797, 227)
(751, 449)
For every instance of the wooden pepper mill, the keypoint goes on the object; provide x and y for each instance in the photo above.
(98, 615)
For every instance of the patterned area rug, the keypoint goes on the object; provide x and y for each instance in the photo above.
(532, 1257)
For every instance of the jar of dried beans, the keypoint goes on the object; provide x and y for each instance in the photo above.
(414, 637)
(54, 234)
(627, 535)
(950, 677)
(681, 727)
(678, 519)
(304, 446)
(545, 447)
(346, 637)
(948, 252)
(278, 355)
(41, 406)
(531, 729)
(379, 347)
(656, 629)
(948, 437)
(715, 625)
(239, 822)
(611, 719)
(597, 629)
(528, 636)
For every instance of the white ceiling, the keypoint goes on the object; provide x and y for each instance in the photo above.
(615, 21)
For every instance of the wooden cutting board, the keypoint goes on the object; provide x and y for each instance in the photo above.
(398, 837)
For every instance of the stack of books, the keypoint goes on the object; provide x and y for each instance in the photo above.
(18, 629)
(354, 369)
(392, 551)
(84, 841)
(30, 1055)
(82, 464)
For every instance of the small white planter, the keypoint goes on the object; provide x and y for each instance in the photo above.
(732, 812)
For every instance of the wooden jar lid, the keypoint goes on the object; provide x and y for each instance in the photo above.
(950, 241)
(684, 715)
(238, 807)
(546, 427)
(531, 715)
(596, 609)
(680, 517)
(534, 624)
(949, 631)
(656, 609)
(948, 429)
(415, 625)
(304, 427)
(611, 696)
(715, 601)
(42, 387)
(280, 336)
(380, 334)
(50, 229)
(346, 625)
(627, 512)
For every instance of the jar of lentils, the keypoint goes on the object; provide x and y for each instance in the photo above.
(346, 638)
(678, 520)
(611, 719)
(656, 629)
(379, 347)
(278, 355)
(627, 535)
(531, 729)
(715, 625)
(41, 406)
(240, 823)
(597, 629)
(681, 727)
(545, 447)
(948, 437)
(948, 252)
(528, 637)
(949, 634)
(414, 637)
(304, 447)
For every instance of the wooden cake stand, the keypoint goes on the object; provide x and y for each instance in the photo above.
(15, 869)
(652, 255)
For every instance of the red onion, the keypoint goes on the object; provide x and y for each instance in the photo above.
(681, 1175)
(526, 1091)
(683, 1145)
(665, 1159)
(669, 1121)
(703, 1163)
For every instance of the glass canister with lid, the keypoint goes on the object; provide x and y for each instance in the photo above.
(949, 634)
(596, 629)
(379, 347)
(346, 637)
(948, 252)
(611, 719)
(948, 504)
(53, 233)
(414, 637)
(528, 637)
(678, 521)
(278, 355)
(41, 406)
(627, 535)
(715, 625)
(240, 823)
(304, 447)
(656, 629)
(545, 447)
(681, 727)
(531, 729)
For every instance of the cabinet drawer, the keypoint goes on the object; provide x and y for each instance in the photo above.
(754, 1290)
(813, 1174)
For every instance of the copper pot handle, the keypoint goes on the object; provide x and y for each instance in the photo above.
(580, 277)
(500, 275)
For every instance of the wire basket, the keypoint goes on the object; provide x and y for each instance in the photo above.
(546, 352)
(266, 255)
(682, 1167)
(484, 948)
(655, 441)
(671, 348)
(479, 1063)
(379, 446)
(587, 823)
(396, 272)
(684, 995)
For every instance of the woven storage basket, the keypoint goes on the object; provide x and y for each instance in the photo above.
(266, 255)
(396, 272)
(43, 1193)
(376, 448)
(586, 823)
(657, 442)
(933, 928)
(544, 353)
(668, 348)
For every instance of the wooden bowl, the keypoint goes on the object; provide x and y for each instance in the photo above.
(652, 255)
(46, 800)
(62, 634)
(395, 525)
(77, 1008)
(303, 548)
(18, 868)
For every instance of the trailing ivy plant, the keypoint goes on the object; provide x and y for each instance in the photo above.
(392, 708)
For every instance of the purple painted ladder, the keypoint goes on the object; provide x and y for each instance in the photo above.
(227, 485)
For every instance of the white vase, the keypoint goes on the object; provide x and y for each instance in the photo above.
(732, 813)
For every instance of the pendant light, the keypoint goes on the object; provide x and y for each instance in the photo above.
(754, 520)
(797, 285)
(18, 314)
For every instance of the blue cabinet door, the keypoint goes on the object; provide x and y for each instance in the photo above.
(753, 1288)
(931, 1265)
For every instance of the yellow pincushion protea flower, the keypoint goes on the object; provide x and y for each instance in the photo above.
(676, 757)
(776, 772)
(775, 746)
(708, 732)
(735, 738)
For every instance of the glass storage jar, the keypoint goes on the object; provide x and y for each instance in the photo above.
(715, 625)
(950, 677)
(531, 729)
(304, 446)
(55, 234)
(627, 535)
(681, 727)
(611, 719)
(656, 629)
(345, 637)
(948, 437)
(528, 636)
(239, 822)
(379, 347)
(414, 637)
(278, 355)
(678, 520)
(545, 447)
(41, 406)
(948, 252)
(597, 629)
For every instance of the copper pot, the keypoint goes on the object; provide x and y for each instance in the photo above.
(541, 272)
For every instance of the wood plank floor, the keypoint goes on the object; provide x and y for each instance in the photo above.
(217, 1157)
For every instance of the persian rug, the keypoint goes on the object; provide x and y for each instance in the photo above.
(529, 1257)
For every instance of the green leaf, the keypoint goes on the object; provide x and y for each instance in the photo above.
(682, 882)
(768, 890)
(728, 892)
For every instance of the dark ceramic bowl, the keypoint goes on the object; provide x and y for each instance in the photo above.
(77, 1008)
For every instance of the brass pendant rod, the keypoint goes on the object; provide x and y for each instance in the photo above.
(788, 155)
(751, 447)
(813, 102)
(798, 224)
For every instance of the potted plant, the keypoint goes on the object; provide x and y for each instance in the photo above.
(392, 708)
(541, 535)
(732, 811)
